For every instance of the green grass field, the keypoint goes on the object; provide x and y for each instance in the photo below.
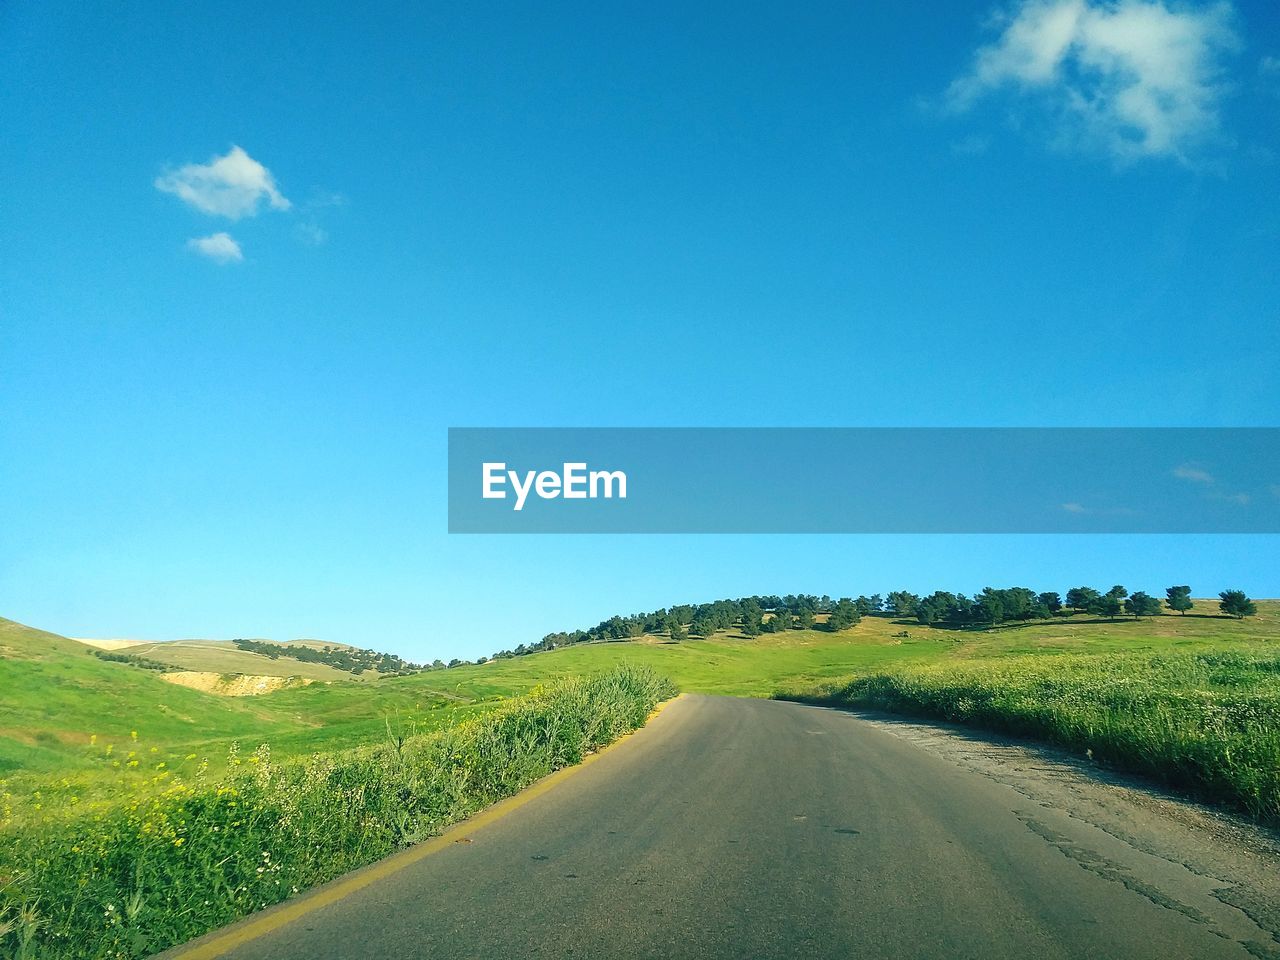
(174, 853)
(60, 700)
(58, 695)
(86, 744)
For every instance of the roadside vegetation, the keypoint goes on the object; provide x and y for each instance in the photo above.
(177, 851)
(1205, 722)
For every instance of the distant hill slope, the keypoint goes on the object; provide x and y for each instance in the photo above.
(58, 696)
(224, 656)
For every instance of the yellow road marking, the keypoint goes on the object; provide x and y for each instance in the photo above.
(217, 944)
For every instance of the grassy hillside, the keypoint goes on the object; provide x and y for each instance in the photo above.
(59, 695)
(63, 705)
(732, 664)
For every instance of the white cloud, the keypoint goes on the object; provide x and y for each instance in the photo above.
(1242, 499)
(1079, 508)
(218, 247)
(971, 146)
(231, 186)
(1269, 75)
(1134, 77)
(312, 234)
(1192, 473)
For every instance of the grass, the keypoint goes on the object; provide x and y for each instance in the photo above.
(57, 695)
(731, 664)
(94, 812)
(1206, 722)
(175, 854)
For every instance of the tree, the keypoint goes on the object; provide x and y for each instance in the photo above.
(1020, 603)
(804, 618)
(781, 621)
(703, 627)
(902, 604)
(1142, 604)
(1079, 598)
(1235, 603)
(751, 625)
(1051, 602)
(843, 615)
(990, 606)
(1179, 598)
(676, 629)
(1107, 605)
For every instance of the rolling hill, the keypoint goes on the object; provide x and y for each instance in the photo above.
(59, 695)
(61, 702)
(224, 657)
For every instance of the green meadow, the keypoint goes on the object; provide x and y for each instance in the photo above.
(175, 852)
(114, 777)
(62, 704)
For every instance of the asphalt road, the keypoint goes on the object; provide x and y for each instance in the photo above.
(744, 828)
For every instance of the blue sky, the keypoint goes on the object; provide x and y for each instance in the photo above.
(227, 376)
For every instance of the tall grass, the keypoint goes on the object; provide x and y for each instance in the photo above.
(178, 856)
(1206, 722)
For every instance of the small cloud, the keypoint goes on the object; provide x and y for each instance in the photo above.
(1269, 75)
(320, 199)
(231, 186)
(971, 146)
(1241, 499)
(218, 247)
(1135, 78)
(1190, 472)
(312, 234)
(1079, 509)
(314, 209)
